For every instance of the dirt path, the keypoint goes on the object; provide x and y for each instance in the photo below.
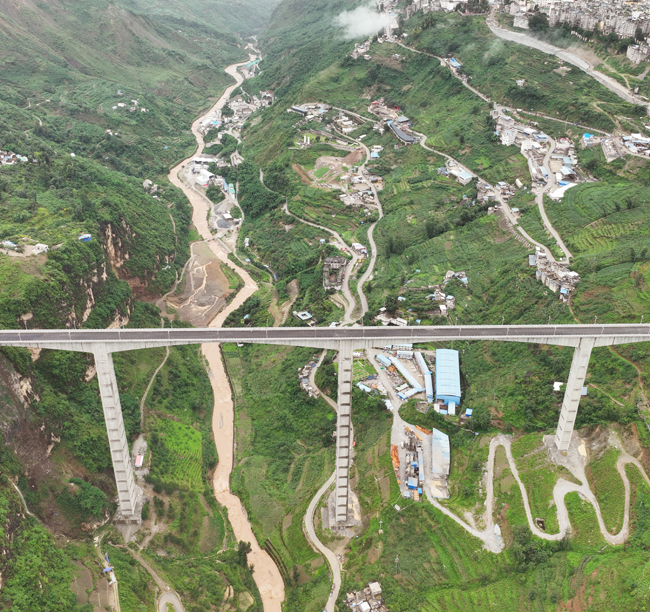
(266, 574)
(143, 401)
(575, 462)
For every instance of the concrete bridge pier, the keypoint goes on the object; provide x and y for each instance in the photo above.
(343, 432)
(573, 392)
(126, 487)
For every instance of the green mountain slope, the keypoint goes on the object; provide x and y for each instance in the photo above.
(245, 17)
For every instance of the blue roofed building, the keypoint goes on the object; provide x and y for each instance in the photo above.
(447, 376)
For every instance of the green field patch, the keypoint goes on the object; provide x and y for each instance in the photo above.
(321, 172)
(361, 369)
(607, 485)
(584, 523)
(176, 451)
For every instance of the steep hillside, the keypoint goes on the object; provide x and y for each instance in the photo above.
(244, 17)
(48, 44)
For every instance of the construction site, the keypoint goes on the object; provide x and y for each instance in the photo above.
(420, 456)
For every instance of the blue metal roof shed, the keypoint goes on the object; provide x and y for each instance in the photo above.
(447, 376)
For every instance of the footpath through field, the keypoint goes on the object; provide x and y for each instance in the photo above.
(266, 574)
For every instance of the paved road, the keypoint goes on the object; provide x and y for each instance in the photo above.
(347, 294)
(334, 563)
(524, 39)
(168, 596)
(373, 247)
(72, 339)
(550, 185)
(326, 552)
(352, 304)
(504, 205)
(371, 240)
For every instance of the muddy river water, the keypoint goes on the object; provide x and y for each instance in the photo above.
(266, 574)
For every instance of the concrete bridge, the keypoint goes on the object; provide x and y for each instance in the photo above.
(102, 343)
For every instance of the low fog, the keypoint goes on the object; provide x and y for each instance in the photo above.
(362, 21)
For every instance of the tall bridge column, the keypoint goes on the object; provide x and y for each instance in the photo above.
(126, 488)
(343, 431)
(573, 392)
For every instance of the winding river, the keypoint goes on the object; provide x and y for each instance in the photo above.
(265, 572)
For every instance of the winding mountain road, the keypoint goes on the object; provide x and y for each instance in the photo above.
(335, 565)
(347, 294)
(528, 41)
(371, 230)
(575, 463)
(550, 184)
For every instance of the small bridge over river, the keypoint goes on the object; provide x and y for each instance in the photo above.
(102, 343)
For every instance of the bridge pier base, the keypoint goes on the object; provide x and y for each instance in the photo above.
(573, 392)
(343, 431)
(126, 487)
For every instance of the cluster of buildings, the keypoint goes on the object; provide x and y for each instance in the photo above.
(534, 146)
(366, 600)
(361, 50)
(414, 470)
(462, 175)
(29, 247)
(392, 119)
(243, 109)
(404, 381)
(345, 124)
(621, 18)
(303, 377)
(248, 70)
(358, 197)
(618, 146)
(403, 360)
(371, 384)
(200, 174)
(446, 302)
(312, 111)
(9, 158)
(131, 109)
(210, 121)
(334, 273)
(555, 275)
(636, 143)
(417, 460)
(426, 6)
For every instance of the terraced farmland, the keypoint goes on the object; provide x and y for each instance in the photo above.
(177, 456)
(600, 236)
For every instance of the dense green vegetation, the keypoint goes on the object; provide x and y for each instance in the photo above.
(57, 99)
(285, 451)
(494, 68)
(243, 16)
(36, 573)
